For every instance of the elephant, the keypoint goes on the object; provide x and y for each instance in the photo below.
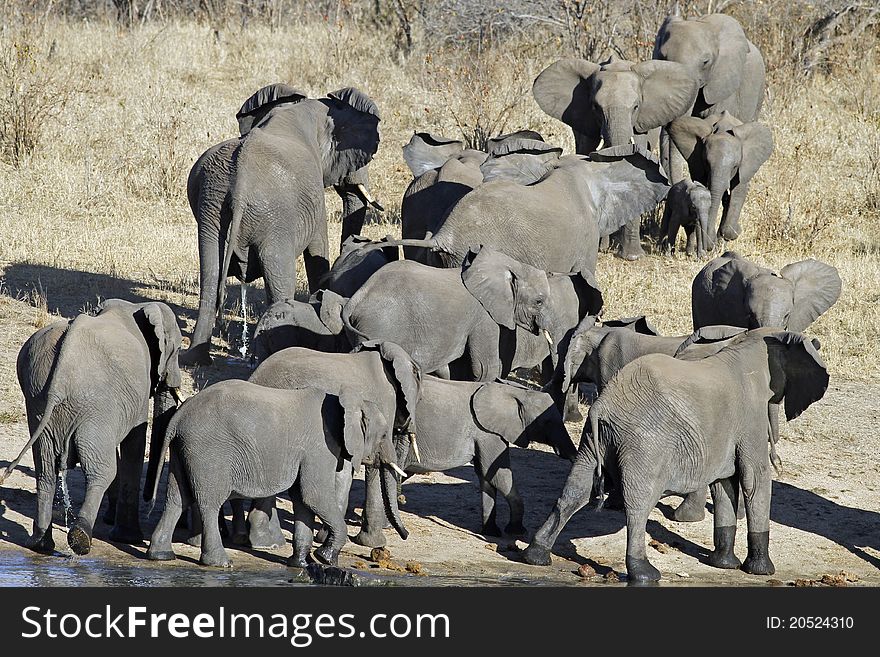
(460, 422)
(615, 102)
(355, 265)
(687, 206)
(379, 371)
(728, 67)
(735, 291)
(451, 321)
(666, 425)
(723, 154)
(305, 437)
(87, 385)
(258, 200)
(444, 171)
(316, 324)
(549, 215)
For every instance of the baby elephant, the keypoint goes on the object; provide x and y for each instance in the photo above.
(459, 422)
(314, 325)
(238, 439)
(687, 206)
(665, 425)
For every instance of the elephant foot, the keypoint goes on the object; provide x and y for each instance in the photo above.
(327, 555)
(79, 538)
(129, 535)
(42, 542)
(369, 539)
(298, 561)
(265, 540)
(630, 255)
(195, 540)
(199, 354)
(573, 415)
(722, 556)
(161, 555)
(515, 529)
(641, 570)
(491, 529)
(537, 555)
(692, 509)
(758, 561)
(321, 535)
(215, 559)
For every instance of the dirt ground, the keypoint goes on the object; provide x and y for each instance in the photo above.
(825, 518)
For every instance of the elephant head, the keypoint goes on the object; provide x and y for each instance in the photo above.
(258, 105)
(712, 48)
(514, 294)
(290, 323)
(614, 100)
(355, 265)
(404, 373)
(521, 416)
(520, 160)
(722, 153)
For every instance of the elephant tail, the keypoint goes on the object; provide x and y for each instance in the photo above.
(47, 414)
(231, 240)
(154, 467)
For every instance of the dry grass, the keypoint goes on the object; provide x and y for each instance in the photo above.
(99, 209)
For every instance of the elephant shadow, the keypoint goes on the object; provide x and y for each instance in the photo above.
(851, 528)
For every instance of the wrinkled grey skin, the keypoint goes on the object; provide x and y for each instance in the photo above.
(289, 323)
(687, 206)
(355, 265)
(615, 102)
(87, 385)
(728, 67)
(723, 154)
(379, 371)
(444, 171)
(459, 422)
(662, 427)
(732, 290)
(259, 199)
(306, 436)
(451, 320)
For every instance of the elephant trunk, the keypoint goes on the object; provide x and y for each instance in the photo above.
(389, 497)
(164, 407)
(617, 128)
(717, 188)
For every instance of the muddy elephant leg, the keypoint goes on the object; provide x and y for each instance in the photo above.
(44, 464)
(638, 568)
(265, 527)
(176, 502)
(317, 261)
(213, 552)
(730, 227)
(630, 241)
(757, 489)
(99, 469)
(303, 529)
(239, 522)
(575, 496)
(692, 508)
(724, 494)
(127, 528)
(373, 517)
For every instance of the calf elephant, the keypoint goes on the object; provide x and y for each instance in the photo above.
(615, 102)
(459, 422)
(259, 199)
(688, 206)
(733, 290)
(723, 154)
(638, 435)
(306, 437)
(87, 385)
(355, 265)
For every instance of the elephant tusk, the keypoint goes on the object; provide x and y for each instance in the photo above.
(415, 447)
(369, 200)
(397, 469)
(548, 337)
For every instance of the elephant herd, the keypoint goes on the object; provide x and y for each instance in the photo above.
(399, 359)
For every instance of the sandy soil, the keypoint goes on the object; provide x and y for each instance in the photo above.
(825, 516)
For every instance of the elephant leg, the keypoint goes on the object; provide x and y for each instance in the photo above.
(630, 241)
(373, 517)
(495, 475)
(691, 248)
(572, 410)
(44, 464)
(638, 568)
(112, 496)
(279, 269)
(196, 527)
(327, 509)
(343, 488)
(317, 261)
(575, 496)
(199, 352)
(724, 494)
(100, 469)
(482, 350)
(176, 502)
(265, 527)
(605, 243)
(213, 552)
(730, 227)
(692, 508)
(757, 488)
(303, 529)
(127, 528)
(671, 159)
(239, 523)
(354, 210)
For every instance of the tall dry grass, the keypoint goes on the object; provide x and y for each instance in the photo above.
(102, 191)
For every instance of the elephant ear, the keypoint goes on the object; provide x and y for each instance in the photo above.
(563, 90)
(668, 92)
(330, 312)
(576, 353)
(797, 370)
(259, 104)
(530, 135)
(688, 134)
(522, 161)
(639, 324)
(589, 294)
(160, 329)
(726, 74)
(352, 136)
(628, 184)
(406, 372)
(757, 146)
(500, 412)
(364, 425)
(425, 152)
(489, 276)
(709, 335)
(817, 287)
